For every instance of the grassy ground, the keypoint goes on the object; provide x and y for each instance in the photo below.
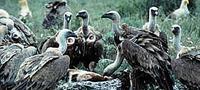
(132, 11)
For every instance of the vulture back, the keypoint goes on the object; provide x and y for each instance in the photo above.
(11, 59)
(42, 71)
(186, 69)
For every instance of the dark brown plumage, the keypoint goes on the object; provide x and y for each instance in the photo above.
(42, 71)
(186, 69)
(73, 49)
(11, 58)
(51, 41)
(145, 52)
(54, 14)
(93, 45)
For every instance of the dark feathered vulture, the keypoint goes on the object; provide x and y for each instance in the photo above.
(145, 52)
(93, 44)
(74, 44)
(11, 58)
(42, 71)
(186, 69)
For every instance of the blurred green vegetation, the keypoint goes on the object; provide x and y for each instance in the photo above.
(133, 12)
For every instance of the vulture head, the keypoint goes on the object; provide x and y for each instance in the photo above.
(24, 12)
(67, 19)
(153, 11)
(185, 2)
(54, 13)
(112, 15)
(4, 13)
(176, 30)
(68, 16)
(82, 14)
(61, 39)
(8, 23)
(4, 19)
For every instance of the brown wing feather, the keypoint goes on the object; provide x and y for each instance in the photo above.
(148, 59)
(46, 74)
(10, 68)
(28, 36)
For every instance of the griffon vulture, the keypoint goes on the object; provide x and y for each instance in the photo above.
(182, 11)
(152, 25)
(25, 11)
(179, 49)
(74, 44)
(145, 53)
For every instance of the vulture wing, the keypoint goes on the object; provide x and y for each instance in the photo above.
(186, 69)
(28, 38)
(11, 60)
(145, 52)
(43, 73)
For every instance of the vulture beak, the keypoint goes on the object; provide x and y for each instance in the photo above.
(83, 14)
(78, 15)
(156, 13)
(175, 30)
(106, 15)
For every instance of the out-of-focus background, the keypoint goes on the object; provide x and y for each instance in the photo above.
(133, 12)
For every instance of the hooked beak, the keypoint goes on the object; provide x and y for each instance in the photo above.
(105, 16)
(78, 15)
(156, 13)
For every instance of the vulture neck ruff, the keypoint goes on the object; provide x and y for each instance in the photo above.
(152, 22)
(61, 39)
(177, 41)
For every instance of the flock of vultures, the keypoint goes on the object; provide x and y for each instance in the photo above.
(27, 65)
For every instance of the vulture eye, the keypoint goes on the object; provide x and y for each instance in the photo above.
(70, 40)
(91, 38)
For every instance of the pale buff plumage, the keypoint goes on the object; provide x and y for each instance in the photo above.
(25, 11)
(81, 75)
(152, 25)
(182, 11)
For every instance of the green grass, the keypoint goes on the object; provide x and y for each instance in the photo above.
(133, 12)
